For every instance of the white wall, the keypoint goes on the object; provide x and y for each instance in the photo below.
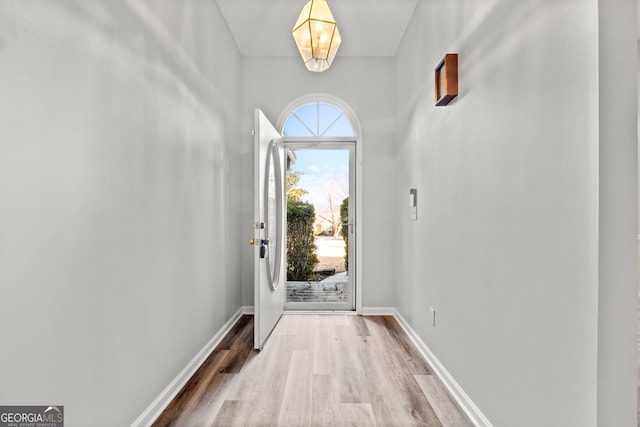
(367, 86)
(618, 205)
(119, 256)
(506, 248)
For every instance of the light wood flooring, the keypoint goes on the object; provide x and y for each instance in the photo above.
(315, 370)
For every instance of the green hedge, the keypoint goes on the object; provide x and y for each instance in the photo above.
(344, 230)
(301, 247)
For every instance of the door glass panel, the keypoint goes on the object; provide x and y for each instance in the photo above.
(273, 202)
(318, 218)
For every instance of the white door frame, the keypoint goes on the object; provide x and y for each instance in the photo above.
(348, 111)
(347, 144)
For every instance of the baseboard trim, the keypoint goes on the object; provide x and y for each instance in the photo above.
(457, 393)
(153, 411)
(378, 311)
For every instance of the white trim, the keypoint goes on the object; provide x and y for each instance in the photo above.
(378, 311)
(457, 393)
(349, 145)
(323, 312)
(353, 118)
(322, 98)
(316, 307)
(153, 411)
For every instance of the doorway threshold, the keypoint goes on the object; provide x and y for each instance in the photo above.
(325, 312)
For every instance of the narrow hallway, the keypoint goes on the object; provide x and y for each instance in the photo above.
(315, 370)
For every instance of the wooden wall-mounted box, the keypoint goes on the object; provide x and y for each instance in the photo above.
(446, 79)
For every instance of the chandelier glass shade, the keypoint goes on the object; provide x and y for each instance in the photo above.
(316, 35)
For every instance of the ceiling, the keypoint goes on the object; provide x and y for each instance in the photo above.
(367, 27)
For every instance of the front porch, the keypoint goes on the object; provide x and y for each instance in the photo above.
(330, 290)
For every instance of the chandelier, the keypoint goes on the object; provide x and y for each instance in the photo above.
(316, 35)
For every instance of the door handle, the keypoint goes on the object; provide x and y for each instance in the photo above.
(263, 245)
(260, 242)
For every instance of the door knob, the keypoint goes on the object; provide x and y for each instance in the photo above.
(252, 242)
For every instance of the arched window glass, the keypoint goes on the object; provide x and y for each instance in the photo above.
(318, 120)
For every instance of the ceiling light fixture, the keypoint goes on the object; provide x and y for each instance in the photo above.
(316, 35)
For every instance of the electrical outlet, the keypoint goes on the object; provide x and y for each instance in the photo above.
(432, 315)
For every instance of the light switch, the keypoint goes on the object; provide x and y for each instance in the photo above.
(413, 203)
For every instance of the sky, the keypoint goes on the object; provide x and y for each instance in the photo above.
(318, 120)
(325, 171)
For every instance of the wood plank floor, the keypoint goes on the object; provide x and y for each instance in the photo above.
(315, 370)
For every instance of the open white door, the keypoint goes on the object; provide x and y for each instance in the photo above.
(269, 214)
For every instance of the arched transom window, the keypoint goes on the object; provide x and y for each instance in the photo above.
(318, 120)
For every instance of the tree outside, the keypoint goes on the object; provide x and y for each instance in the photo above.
(344, 230)
(301, 247)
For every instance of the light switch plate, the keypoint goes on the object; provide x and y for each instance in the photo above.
(413, 203)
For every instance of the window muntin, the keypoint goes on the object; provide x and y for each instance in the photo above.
(318, 120)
